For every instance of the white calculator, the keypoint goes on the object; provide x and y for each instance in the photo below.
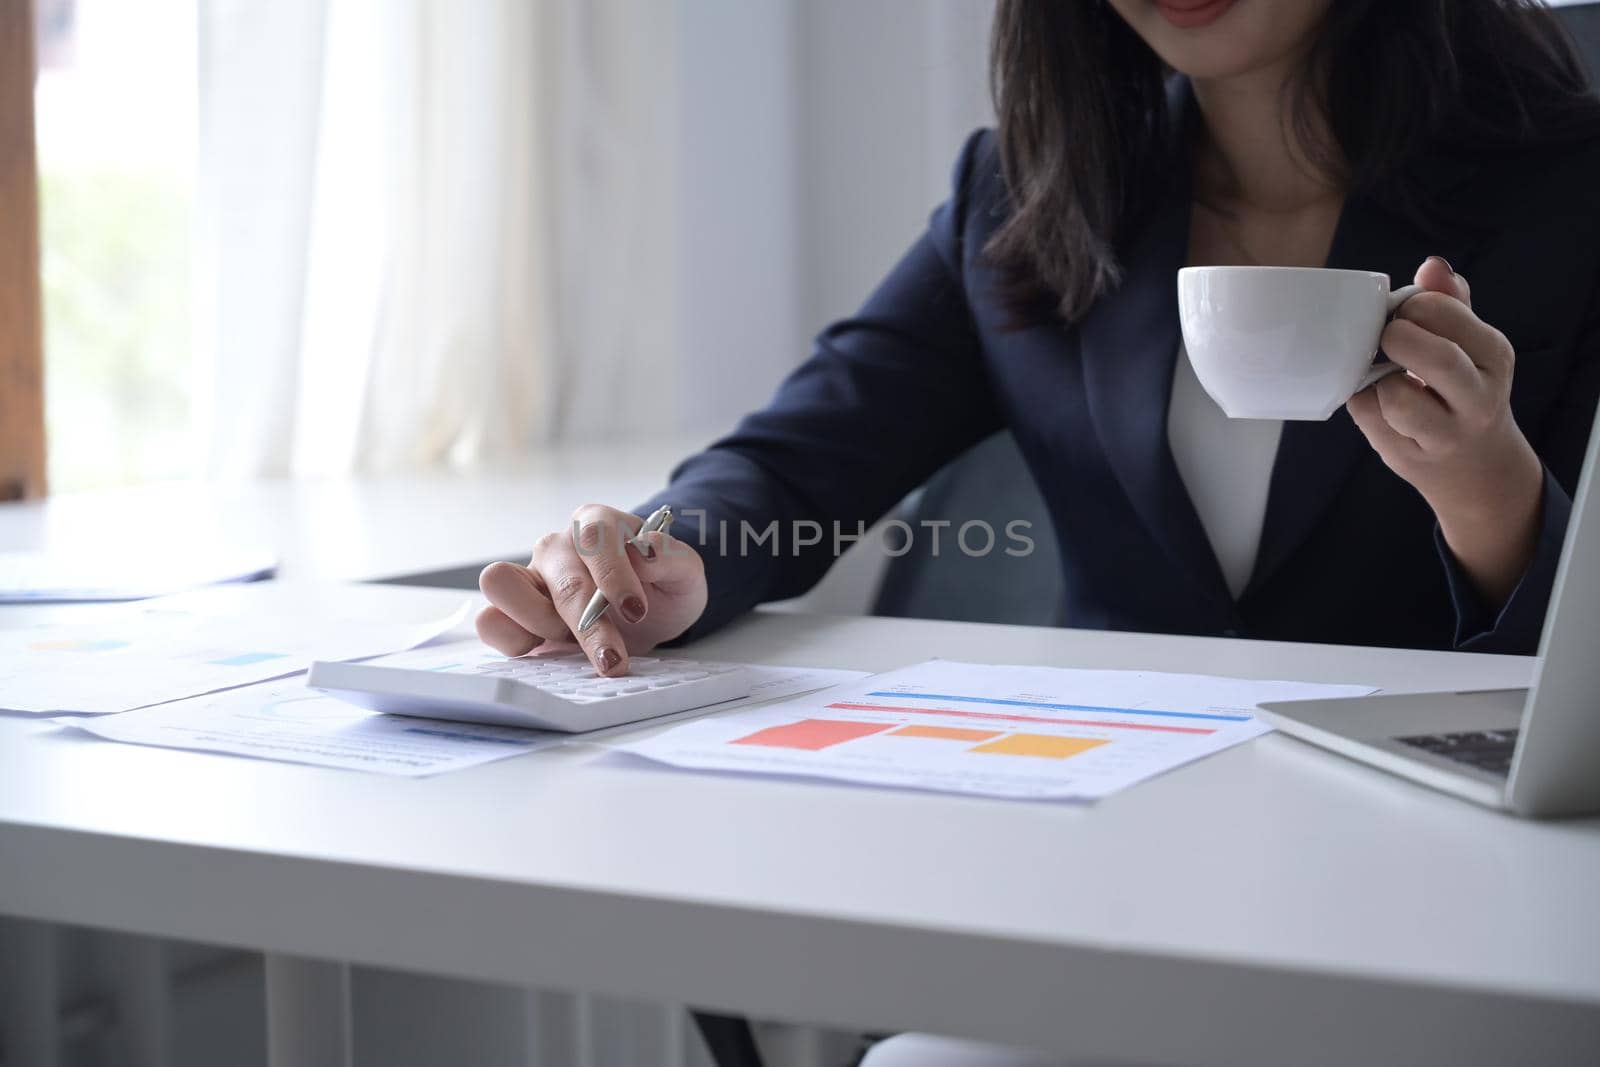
(541, 693)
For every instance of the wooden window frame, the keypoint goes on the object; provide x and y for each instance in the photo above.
(22, 436)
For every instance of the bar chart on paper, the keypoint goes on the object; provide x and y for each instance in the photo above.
(1021, 732)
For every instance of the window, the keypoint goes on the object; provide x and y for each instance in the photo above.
(115, 107)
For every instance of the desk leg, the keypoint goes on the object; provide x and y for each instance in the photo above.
(30, 992)
(308, 1013)
(144, 999)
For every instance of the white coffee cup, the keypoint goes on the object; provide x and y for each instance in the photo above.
(1285, 342)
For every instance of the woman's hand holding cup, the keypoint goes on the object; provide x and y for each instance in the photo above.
(1446, 427)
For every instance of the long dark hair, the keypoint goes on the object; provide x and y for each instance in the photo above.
(1084, 123)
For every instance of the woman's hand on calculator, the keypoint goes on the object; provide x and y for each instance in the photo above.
(656, 586)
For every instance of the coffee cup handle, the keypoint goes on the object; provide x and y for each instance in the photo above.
(1379, 371)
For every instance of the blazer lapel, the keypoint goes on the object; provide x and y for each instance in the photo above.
(1316, 458)
(1129, 344)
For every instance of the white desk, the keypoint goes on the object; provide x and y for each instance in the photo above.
(358, 529)
(1271, 904)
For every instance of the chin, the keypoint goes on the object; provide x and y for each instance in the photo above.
(1209, 39)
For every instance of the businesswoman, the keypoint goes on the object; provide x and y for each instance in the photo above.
(1450, 142)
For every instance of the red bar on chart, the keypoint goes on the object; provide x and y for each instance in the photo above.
(1109, 724)
(812, 735)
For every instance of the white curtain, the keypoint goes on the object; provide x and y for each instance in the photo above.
(432, 231)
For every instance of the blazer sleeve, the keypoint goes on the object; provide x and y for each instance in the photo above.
(885, 399)
(1562, 445)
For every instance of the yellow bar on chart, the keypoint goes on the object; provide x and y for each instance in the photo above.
(1039, 745)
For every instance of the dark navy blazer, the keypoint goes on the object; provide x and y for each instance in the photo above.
(1349, 552)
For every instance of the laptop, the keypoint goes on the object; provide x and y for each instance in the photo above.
(1535, 751)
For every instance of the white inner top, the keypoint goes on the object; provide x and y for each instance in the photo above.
(1226, 465)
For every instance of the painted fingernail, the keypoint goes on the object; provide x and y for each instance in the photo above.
(1446, 263)
(633, 609)
(608, 660)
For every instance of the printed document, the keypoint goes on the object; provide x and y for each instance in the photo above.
(288, 722)
(1018, 732)
(165, 649)
(130, 572)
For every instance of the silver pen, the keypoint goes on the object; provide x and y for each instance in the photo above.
(659, 520)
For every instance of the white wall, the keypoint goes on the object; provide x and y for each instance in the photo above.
(739, 177)
(815, 137)
(888, 91)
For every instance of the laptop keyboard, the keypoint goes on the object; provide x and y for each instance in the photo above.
(1487, 750)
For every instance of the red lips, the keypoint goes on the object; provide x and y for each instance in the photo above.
(1189, 14)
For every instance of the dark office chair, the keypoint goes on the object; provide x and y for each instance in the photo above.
(991, 484)
(1583, 23)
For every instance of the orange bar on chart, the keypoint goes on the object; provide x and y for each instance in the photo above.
(812, 735)
(1040, 745)
(945, 733)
